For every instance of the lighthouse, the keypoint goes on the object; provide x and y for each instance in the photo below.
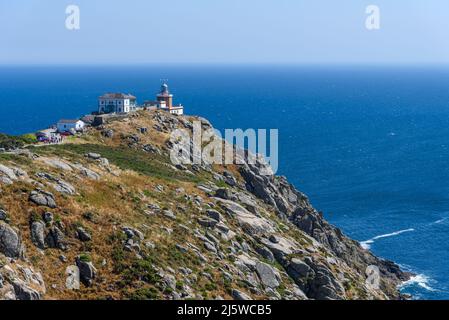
(165, 101)
(165, 96)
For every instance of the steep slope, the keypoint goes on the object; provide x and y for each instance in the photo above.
(111, 203)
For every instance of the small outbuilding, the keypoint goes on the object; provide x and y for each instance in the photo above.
(67, 125)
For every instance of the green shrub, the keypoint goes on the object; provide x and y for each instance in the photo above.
(28, 138)
(143, 270)
(84, 257)
(179, 285)
(210, 286)
(126, 159)
(9, 142)
(90, 216)
(145, 294)
(36, 217)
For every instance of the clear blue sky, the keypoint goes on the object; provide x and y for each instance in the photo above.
(223, 31)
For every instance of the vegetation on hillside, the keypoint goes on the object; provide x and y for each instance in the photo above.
(9, 142)
(111, 200)
(157, 166)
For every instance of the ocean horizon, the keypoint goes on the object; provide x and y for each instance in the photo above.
(368, 145)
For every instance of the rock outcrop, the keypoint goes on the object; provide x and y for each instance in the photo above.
(110, 216)
(296, 207)
(10, 242)
(38, 234)
(43, 198)
(20, 282)
(87, 271)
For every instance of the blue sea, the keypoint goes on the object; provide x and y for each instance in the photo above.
(368, 145)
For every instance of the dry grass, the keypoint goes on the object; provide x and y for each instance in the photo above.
(121, 197)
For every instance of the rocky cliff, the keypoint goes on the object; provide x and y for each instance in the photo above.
(108, 207)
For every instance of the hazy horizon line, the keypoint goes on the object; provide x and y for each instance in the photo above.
(285, 64)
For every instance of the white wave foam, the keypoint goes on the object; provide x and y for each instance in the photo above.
(367, 244)
(439, 221)
(420, 280)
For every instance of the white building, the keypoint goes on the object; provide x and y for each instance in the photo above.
(116, 103)
(178, 109)
(66, 125)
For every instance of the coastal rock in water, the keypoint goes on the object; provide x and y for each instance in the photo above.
(295, 206)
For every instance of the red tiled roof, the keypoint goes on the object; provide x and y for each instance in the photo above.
(68, 121)
(117, 96)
